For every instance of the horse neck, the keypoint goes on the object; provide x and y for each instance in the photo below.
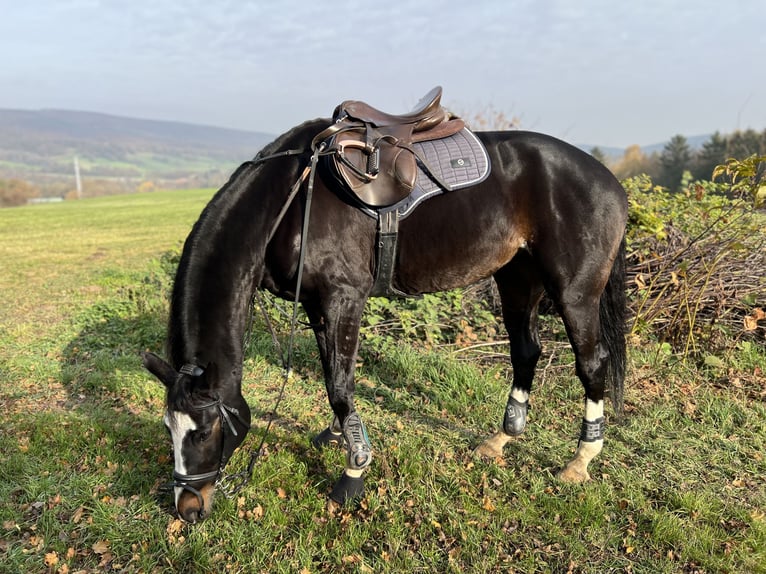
(223, 258)
(222, 262)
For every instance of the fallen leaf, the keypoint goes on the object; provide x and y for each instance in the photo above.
(77, 516)
(106, 559)
(281, 493)
(175, 526)
(51, 559)
(488, 505)
(101, 547)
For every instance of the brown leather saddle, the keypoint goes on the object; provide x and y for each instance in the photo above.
(371, 152)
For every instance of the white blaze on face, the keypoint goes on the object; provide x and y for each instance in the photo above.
(180, 425)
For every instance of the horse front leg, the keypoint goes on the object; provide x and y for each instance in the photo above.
(336, 326)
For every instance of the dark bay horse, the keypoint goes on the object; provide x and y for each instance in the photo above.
(549, 218)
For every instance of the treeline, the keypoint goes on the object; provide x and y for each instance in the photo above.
(17, 191)
(667, 168)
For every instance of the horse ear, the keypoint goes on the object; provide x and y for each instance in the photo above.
(160, 369)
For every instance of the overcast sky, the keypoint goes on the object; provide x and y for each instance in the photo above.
(595, 72)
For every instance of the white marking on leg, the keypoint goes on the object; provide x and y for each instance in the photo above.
(577, 468)
(593, 410)
(519, 395)
(180, 425)
(354, 473)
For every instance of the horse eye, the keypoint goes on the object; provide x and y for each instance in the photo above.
(201, 436)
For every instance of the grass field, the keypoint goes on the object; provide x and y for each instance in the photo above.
(679, 487)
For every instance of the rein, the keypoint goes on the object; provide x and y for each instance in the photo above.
(231, 484)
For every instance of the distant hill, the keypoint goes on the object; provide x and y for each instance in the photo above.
(116, 154)
(40, 146)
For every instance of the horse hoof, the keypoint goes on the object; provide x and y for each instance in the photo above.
(488, 451)
(492, 448)
(347, 489)
(327, 438)
(573, 475)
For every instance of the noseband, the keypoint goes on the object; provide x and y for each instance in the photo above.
(225, 414)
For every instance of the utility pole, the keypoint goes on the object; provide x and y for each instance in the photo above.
(77, 180)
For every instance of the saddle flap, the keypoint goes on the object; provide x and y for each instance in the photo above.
(379, 174)
(371, 154)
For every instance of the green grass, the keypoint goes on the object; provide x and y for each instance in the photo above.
(679, 486)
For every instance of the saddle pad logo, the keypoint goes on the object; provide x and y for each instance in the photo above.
(460, 162)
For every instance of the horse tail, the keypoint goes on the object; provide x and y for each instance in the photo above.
(612, 316)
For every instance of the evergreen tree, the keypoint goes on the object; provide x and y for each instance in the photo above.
(742, 145)
(675, 158)
(598, 153)
(713, 153)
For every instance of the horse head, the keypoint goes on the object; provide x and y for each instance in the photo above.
(206, 424)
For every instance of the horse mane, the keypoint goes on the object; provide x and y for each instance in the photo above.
(224, 252)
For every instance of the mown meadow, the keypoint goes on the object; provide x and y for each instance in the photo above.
(679, 487)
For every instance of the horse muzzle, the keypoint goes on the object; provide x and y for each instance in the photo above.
(195, 504)
(194, 495)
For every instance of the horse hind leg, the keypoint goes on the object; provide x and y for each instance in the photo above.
(591, 360)
(520, 292)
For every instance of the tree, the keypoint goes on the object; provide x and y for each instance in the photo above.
(742, 145)
(634, 162)
(598, 153)
(16, 192)
(674, 160)
(712, 154)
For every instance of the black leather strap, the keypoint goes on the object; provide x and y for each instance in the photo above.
(385, 255)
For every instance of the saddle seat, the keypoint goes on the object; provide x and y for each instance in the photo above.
(426, 114)
(369, 153)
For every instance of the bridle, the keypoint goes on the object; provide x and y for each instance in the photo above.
(225, 414)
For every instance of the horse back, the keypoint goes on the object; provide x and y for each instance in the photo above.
(543, 196)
